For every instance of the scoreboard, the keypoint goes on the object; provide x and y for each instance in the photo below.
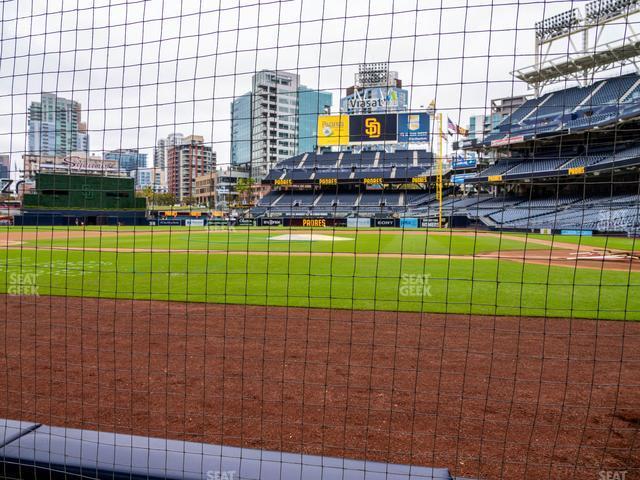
(336, 130)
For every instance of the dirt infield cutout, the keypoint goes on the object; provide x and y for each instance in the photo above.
(309, 237)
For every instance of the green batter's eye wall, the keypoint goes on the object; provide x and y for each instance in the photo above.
(60, 191)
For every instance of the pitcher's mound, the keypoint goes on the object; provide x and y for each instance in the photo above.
(308, 237)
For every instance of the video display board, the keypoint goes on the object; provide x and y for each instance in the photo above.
(340, 130)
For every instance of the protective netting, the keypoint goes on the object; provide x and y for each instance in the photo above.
(400, 232)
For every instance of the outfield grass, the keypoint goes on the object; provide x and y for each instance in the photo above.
(249, 241)
(456, 286)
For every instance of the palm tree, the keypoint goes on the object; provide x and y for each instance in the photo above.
(244, 187)
(147, 192)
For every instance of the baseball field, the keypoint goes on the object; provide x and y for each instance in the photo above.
(496, 355)
(395, 270)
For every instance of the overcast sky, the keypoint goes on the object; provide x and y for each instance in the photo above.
(143, 69)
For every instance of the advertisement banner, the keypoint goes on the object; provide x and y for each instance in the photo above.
(375, 128)
(246, 222)
(333, 130)
(193, 222)
(218, 221)
(429, 223)
(170, 221)
(375, 100)
(413, 127)
(467, 143)
(356, 222)
(465, 160)
(315, 222)
(458, 179)
(271, 222)
(507, 141)
(384, 222)
(577, 233)
(408, 223)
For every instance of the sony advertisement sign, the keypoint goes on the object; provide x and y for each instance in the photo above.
(384, 222)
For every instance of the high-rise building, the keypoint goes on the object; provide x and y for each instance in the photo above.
(186, 161)
(241, 130)
(275, 121)
(501, 108)
(128, 159)
(311, 103)
(5, 166)
(376, 90)
(147, 178)
(161, 152)
(56, 127)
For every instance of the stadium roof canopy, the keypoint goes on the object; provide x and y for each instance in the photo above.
(570, 65)
(569, 46)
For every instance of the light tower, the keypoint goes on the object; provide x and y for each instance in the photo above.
(569, 46)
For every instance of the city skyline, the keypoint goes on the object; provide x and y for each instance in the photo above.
(137, 95)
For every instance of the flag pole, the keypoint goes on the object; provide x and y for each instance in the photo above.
(439, 172)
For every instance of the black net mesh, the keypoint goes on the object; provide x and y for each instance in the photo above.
(276, 239)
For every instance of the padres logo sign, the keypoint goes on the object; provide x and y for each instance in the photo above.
(373, 128)
(377, 127)
(314, 222)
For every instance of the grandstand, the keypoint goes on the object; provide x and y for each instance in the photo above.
(343, 184)
(567, 160)
(571, 110)
(581, 138)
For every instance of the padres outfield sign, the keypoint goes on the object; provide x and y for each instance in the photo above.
(314, 222)
(407, 127)
(373, 128)
(333, 130)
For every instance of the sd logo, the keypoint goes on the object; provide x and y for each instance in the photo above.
(373, 128)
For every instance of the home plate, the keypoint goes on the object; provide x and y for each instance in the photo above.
(306, 237)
